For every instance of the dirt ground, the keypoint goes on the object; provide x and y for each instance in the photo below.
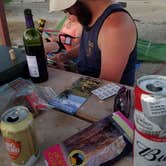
(149, 16)
(16, 33)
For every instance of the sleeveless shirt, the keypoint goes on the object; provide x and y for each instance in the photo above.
(89, 59)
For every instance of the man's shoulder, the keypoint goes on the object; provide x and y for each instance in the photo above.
(118, 26)
(118, 20)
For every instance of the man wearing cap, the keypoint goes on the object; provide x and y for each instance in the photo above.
(108, 43)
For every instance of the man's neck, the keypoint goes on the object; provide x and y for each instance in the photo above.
(99, 8)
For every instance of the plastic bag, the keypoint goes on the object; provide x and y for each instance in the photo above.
(24, 92)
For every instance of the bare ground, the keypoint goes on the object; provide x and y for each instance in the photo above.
(16, 33)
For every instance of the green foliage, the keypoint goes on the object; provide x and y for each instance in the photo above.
(7, 1)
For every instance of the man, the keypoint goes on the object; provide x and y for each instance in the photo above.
(108, 43)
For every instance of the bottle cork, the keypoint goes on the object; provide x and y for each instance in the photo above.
(12, 54)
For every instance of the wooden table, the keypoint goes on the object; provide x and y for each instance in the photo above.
(94, 109)
(51, 129)
(53, 126)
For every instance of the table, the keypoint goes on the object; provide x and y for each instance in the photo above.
(50, 129)
(94, 109)
(53, 126)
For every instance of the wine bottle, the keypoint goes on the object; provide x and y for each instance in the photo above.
(35, 55)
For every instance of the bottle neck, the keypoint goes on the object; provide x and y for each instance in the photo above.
(29, 21)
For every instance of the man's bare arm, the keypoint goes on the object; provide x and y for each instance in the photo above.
(65, 56)
(117, 39)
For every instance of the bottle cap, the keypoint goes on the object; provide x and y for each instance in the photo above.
(27, 12)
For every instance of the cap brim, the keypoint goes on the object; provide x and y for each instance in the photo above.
(57, 5)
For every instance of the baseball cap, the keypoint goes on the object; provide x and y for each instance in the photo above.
(56, 5)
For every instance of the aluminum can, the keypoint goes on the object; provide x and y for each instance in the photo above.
(150, 104)
(149, 118)
(17, 126)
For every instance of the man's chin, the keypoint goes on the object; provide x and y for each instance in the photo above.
(84, 22)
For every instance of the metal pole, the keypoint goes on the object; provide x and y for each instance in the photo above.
(4, 32)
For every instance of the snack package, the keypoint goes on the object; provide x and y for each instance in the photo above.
(54, 156)
(102, 143)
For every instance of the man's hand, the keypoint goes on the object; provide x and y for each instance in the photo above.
(60, 57)
(50, 46)
(63, 57)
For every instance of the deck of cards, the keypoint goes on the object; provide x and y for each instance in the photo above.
(106, 91)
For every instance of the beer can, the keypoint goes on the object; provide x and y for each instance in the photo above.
(17, 126)
(149, 118)
(149, 150)
(150, 104)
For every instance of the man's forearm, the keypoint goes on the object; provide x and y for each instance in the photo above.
(65, 56)
(73, 53)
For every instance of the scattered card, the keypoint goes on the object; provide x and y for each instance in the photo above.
(70, 100)
(67, 102)
(106, 91)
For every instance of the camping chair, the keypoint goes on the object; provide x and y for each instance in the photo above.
(63, 39)
(47, 32)
(151, 52)
(56, 30)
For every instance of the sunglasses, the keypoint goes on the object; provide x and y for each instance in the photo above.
(122, 101)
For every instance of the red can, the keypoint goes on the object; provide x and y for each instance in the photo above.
(149, 118)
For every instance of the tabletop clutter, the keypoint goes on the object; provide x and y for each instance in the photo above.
(104, 141)
(21, 97)
(21, 101)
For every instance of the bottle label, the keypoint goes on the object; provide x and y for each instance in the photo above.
(33, 66)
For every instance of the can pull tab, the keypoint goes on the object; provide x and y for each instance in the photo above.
(12, 119)
(154, 88)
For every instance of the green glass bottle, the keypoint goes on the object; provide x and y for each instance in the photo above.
(35, 55)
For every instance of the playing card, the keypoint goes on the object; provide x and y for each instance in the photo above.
(106, 91)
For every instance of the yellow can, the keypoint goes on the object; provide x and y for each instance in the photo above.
(17, 126)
